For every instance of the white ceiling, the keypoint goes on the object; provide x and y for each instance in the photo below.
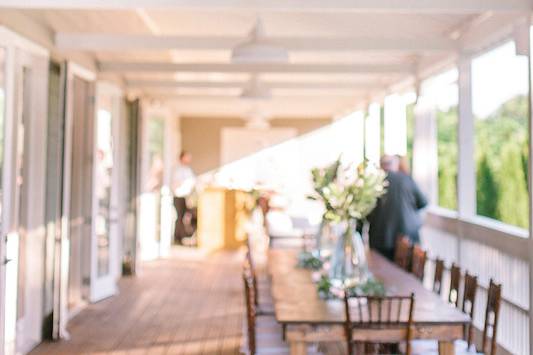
(342, 54)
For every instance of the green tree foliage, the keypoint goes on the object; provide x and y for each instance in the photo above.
(512, 200)
(487, 189)
(447, 157)
(502, 139)
(501, 162)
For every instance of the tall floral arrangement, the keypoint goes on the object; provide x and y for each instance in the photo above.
(351, 193)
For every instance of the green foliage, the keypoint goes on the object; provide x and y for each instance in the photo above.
(501, 140)
(501, 162)
(447, 157)
(512, 204)
(487, 189)
(324, 177)
(373, 287)
(307, 260)
(324, 287)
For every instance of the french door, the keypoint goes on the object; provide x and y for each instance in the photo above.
(76, 222)
(23, 182)
(90, 256)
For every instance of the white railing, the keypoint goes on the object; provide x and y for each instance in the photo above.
(488, 249)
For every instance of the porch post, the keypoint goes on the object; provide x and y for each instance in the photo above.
(425, 158)
(466, 172)
(527, 33)
(373, 134)
(395, 125)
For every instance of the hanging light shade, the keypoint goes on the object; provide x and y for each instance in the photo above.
(255, 91)
(257, 119)
(258, 49)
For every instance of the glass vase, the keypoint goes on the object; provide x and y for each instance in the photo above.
(348, 267)
(325, 241)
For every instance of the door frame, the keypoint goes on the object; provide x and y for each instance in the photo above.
(16, 47)
(153, 246)
(101, 288)
(61, 311)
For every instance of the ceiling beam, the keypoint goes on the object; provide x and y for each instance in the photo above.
(122, 42)
(395, 6)
(172, 84)
(124, 67)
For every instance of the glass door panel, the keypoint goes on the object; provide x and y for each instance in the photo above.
(104, 177)
(105, 258)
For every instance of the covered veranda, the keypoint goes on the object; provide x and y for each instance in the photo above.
(259, 92)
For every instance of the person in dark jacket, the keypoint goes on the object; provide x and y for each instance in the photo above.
(397, 212)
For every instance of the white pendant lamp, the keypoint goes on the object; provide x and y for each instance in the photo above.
(256, 48)
(255, 91)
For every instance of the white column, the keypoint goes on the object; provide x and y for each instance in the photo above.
(395, 125)
(373, 134)
(170, 153)
(466, 175)
(425, 157)
(530, 183)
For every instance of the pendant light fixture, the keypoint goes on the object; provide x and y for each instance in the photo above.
(257, 49)
(254, 91)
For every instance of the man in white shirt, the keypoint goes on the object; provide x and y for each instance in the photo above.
(183, 184)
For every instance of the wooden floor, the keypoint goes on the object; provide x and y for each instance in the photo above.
(187, 304)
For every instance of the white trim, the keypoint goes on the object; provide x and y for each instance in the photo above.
(13, 39)
(121, 67)
(121, 42)
(353, 85)
(506, 238)
(81, 71)
(365, 6)
(530, 183)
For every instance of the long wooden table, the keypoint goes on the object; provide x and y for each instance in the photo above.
(297, 304)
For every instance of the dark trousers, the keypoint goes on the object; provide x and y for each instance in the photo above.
(180, 204)
(386, 252)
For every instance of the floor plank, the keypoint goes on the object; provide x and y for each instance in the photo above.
(190, 303)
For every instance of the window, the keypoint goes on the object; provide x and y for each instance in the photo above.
(500, 107)
(442, 92)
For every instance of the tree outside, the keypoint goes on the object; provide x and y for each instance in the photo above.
(501, 162)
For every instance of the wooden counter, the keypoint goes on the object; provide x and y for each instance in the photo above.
(222, 214)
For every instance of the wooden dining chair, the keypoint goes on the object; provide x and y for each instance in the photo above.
(492, 313)
(437, 277)
(467, 347)
(261, 307)
(378, 320)
(418, 262)
(249, 299)
(455, 281)
(468, 305)
(263, 335)
(401, 254)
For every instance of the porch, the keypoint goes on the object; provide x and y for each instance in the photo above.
(97, 99)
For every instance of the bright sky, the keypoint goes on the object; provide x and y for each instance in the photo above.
(497, 76)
